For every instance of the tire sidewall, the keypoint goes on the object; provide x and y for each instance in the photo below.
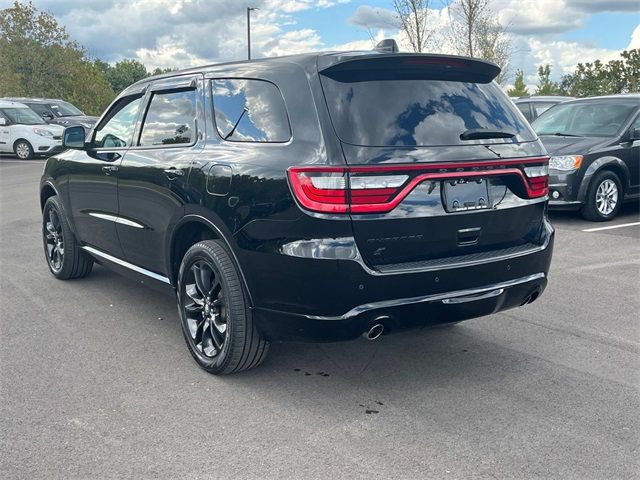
(592, 206)
(53, 203)
(218, 363)
(25, 142)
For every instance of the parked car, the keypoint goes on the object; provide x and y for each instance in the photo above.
(595, 154)
(533, 107)
(314, 197)
(57, 112)
(25, 133)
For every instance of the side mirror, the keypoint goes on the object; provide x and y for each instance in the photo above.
(47, 116)
(74, 137)
(3, 121)
(634, 134)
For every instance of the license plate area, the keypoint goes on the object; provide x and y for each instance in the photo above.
(461, 195)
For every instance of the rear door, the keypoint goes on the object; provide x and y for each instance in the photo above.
(152, 179)
(441, 165)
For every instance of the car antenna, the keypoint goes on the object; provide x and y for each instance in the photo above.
(388, 45)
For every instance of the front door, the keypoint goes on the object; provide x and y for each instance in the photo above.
(93, 177)
(152, 180)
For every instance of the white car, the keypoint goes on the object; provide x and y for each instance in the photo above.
(24, 133)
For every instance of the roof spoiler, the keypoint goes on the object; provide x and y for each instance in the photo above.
(399, 66)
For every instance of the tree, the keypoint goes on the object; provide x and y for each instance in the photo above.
(124, 73)
(37, 58)
(597, 78)
(476, 32)
(545, 85)
(519, 87)
(413, 16)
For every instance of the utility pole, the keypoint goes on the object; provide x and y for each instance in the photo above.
(249, 31)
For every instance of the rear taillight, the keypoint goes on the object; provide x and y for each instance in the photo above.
(538, 178)
(379, 189)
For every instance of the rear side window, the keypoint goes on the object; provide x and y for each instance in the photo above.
(416, 112)
(170, 119)
(250, 111)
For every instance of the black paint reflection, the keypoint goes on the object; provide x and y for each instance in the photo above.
(419, 112)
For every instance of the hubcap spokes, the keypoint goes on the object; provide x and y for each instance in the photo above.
(22, 150)
(204, 309)
(54, 240)
(607, 197)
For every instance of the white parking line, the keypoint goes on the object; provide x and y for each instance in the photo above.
(611, 227)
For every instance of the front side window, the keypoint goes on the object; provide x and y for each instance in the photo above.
(117, 132)
(170, 119)
(23, 116)
(39, 108)
(583, 119)
(250, 111)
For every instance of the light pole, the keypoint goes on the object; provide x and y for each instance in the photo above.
(249, 31)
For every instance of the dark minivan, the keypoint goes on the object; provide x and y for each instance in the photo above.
(308, 198)
(595, 154)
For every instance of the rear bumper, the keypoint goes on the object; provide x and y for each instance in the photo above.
(325, 300)
(401, 314)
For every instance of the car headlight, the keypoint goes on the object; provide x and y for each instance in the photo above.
(42, 132)
(565, 163)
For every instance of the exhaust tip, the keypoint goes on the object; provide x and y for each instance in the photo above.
(531, 298)
(374, 332)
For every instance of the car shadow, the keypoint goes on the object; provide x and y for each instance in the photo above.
(403, 362)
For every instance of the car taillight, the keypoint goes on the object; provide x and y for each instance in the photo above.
(379, 189)
(336, 190)
(538, 178)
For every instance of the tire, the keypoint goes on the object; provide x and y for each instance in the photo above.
(604, 197)
(23, 150)
(217, 323)
(65, 258)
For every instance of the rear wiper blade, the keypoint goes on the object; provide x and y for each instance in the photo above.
(562, 134)
(482, 133)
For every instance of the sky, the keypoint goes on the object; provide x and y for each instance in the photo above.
(182, 33)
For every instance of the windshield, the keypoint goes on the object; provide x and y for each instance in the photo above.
(583, 119)
(24, 116)
(417, 112)
(64, 109)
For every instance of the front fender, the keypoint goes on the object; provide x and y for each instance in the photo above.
(595, 167)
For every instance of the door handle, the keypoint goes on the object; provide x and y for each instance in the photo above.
(109, 169)
(173, 173)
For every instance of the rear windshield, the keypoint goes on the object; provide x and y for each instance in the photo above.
(417, 112)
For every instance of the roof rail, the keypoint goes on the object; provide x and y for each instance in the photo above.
(388, 45)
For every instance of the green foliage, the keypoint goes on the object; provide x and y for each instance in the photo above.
(519, 87)
(546, 86)
(37, 58)
(597, 78)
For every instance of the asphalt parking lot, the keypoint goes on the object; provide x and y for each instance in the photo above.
(96, 381)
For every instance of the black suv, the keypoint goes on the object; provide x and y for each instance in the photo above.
(595, 154)
(57, 112)
(312, 197)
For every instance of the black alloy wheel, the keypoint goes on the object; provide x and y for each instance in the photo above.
(64, 255)
(217, 322)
